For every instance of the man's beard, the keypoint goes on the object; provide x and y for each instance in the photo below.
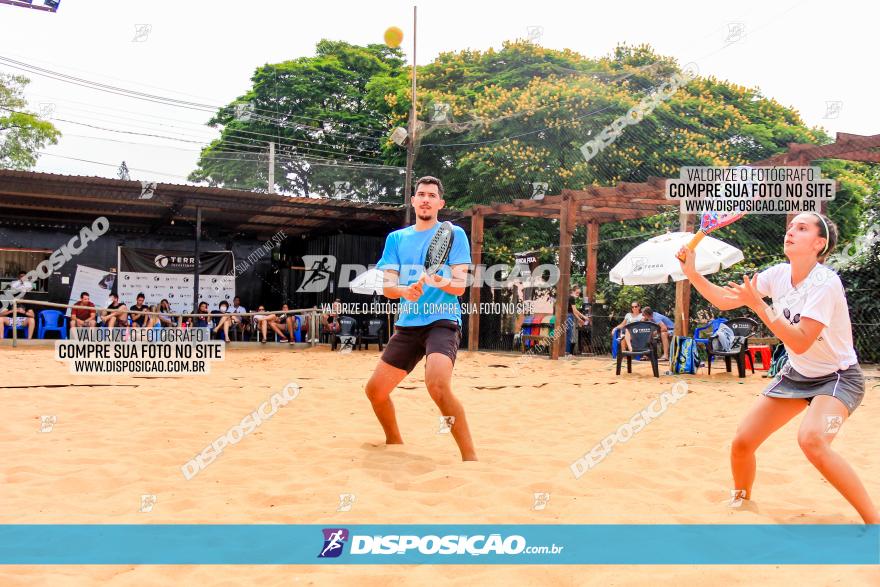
(425, 215)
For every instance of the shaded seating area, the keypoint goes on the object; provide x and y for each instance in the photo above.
(645, 338)
(597, 205)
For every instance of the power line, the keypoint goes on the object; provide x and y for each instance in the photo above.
(232, 131)
(82, 82)
(208, 144)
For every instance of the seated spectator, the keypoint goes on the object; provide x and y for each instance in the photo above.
(634, 316)
(165, 318)
(140, 320)
(21, 284)
(24, 317)
(85, 317)
(261, 321)
(283, 325)
(153, 317)
(666, 325)
(116, 313)
(237, 308)
(203, 320)
(330, 320)
(222, 319)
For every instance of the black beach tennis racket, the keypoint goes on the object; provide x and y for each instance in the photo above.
(439, 248)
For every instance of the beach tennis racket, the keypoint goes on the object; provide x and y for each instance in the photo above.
(439, 248)
(710, 222)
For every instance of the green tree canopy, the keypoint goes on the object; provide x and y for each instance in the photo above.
(319, 113)
(511, 118)
(22, 134)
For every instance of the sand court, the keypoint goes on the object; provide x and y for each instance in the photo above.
(116, 446)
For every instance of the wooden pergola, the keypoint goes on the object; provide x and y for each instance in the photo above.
(627, 201)
(591, 207)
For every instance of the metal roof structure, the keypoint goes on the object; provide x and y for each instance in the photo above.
(45, 199)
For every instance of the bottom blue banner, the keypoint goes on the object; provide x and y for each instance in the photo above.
(163, 544)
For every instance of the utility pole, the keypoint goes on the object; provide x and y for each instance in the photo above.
(272, 167)
(197, 265)
(411, 144)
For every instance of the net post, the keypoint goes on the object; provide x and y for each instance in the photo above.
(14, 325)
(683, 288)
(477, 260)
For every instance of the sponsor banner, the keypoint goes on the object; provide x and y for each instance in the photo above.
(96, 282)
(162, 274)
(164, 261)
(528, 259)
(705, 544)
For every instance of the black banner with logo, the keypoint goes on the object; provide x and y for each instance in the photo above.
(160, 261)
(165, 274)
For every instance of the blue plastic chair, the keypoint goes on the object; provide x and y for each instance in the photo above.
(52, 321)
(7, 332)
(297, 333)
(714, 324)
(526, 329)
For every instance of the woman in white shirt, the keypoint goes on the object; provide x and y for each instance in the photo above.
(623, 335)
(811, 318)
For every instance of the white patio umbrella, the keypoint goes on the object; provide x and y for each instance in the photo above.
(654, 261)
(370, 283)
(367, 283)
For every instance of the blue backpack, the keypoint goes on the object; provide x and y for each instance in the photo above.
(685, 359)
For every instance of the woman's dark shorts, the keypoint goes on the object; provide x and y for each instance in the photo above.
(410, 343)
(847, 385)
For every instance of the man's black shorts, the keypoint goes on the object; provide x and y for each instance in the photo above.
(410, 343)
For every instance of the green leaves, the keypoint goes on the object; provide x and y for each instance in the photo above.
(317, 110)
(22, 134)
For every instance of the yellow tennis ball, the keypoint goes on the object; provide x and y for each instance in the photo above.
(393, 37)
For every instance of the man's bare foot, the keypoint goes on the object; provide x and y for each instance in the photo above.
(469, 457)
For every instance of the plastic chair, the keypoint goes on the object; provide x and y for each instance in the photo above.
(7, 332)
(297, 329)
(713, 324)
(763, 352)
(549, 320)
(616, 337)
(743, 329)
(526, 330)
(348, 326)
(372, 333)
(52, 321)
(643, 337)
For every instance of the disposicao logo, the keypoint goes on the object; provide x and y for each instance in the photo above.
(334, 540)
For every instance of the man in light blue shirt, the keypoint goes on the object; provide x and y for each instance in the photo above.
(430, 318)
(666, 326)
